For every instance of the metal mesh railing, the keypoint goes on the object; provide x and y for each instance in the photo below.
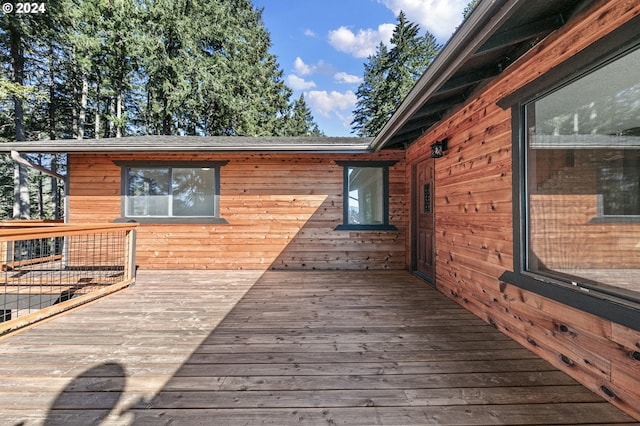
(47, 268)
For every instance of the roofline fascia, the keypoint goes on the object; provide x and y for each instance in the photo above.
(485, 19)
(67, 149)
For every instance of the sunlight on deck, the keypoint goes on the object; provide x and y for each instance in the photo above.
(282, 348)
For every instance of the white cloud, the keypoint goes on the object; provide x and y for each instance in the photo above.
(301, 68)
(343, 77)
(346, 120)
(330, 104)
(297, 83)
(309, 33)
(362, 44)
(439, 17)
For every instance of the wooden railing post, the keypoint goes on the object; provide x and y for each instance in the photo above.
(6, 252)
(130, 255)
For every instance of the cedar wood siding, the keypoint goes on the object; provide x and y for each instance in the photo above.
(282, 210)
(474, 243)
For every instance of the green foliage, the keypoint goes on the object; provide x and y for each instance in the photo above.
(117, 67)
(9, 89)
(6, 187)
(390, 74)
(109, 68)
(300, 122)
(469, 8)
(208, 70)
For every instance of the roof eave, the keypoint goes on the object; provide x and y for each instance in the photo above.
(190, 145)
(485, 19)
(144, 149)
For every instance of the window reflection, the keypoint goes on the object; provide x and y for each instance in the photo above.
(366, 202)
(165, 192)
(193, 192)
(583, 178)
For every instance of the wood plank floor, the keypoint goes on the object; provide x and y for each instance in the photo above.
(281, 348)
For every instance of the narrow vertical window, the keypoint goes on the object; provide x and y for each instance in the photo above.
(366, 195)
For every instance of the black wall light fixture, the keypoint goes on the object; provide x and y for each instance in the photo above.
(438, 148)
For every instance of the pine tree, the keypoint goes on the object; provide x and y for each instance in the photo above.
(116, 67)
(390, 74)
(300, 121)
(371, 112)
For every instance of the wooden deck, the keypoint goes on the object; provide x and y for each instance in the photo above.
(281, 348)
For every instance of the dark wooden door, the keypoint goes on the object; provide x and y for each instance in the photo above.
(424, 244)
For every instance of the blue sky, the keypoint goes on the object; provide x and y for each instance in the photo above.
(322, 45)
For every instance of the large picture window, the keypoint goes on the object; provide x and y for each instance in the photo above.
(366, 195)
(178, 192)
(583, 180)
(576, 186)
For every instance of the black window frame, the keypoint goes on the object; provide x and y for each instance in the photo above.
(615, 306)
(385, 225)
(124, 173)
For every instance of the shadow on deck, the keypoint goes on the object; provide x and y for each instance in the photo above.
(247, 347)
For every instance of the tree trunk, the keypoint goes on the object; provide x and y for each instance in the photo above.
(52, 94)
(21, 205)
(166, 118)
(82, 115)
(41, 209)
(112, 113)
(74, 99)
(55, 190)
(119, 115)
(96, 128)
(55, 193)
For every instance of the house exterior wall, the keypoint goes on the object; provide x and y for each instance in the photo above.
(474, 229)
(281, 211)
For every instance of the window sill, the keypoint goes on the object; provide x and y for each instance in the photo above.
(365, 228)
(615, 219)
(173, 220)
(593, 302)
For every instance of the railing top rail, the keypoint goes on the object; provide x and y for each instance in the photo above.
(13, 233)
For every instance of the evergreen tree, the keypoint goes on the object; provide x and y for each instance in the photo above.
(390, 74)
(118, 67)
(300, 121)
(371, 112)
(110, 68)
(208, 70)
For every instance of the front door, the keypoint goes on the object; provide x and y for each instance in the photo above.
(424, 247)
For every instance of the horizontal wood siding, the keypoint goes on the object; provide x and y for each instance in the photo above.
(474, 243)
(282, 210)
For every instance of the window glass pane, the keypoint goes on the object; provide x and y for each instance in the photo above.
(193, 192)
(148, 192)
(366, 203)
(583, 178)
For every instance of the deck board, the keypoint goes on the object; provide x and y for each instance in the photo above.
(247, 347)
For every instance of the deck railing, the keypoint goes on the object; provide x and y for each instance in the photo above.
(49, 267)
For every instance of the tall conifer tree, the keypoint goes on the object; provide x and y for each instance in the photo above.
(390, 74)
